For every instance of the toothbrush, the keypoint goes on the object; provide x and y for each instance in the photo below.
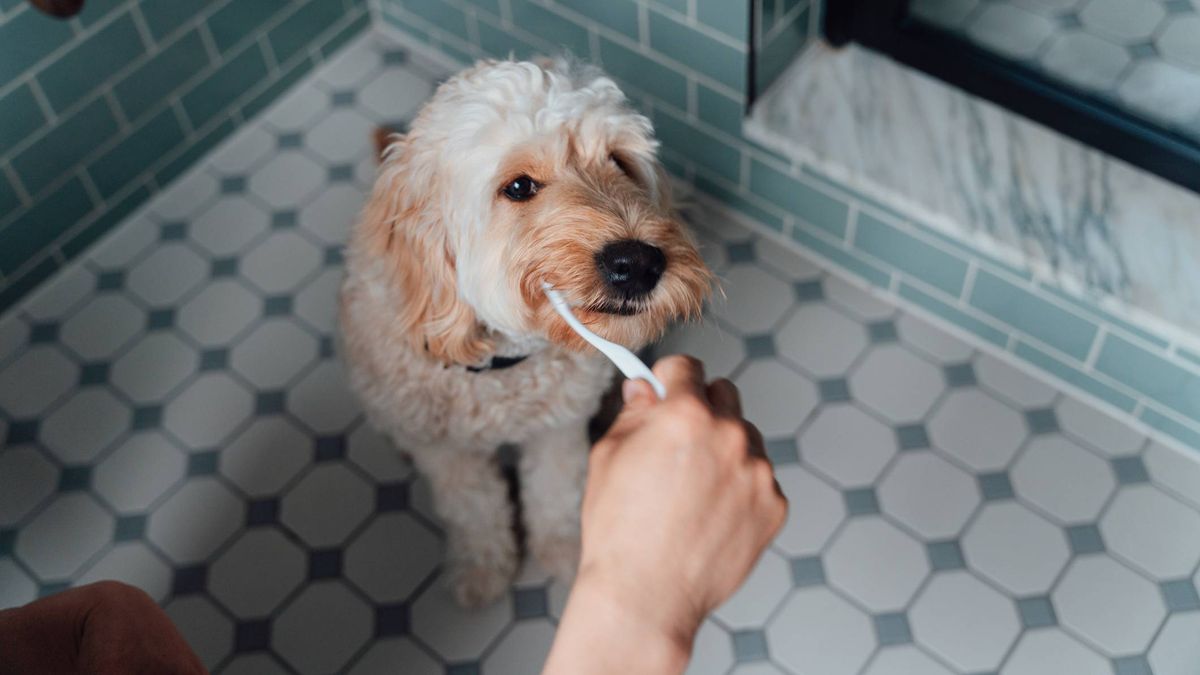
(629, 364)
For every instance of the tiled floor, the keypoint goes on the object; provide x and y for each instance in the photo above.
(1141, 54)
(175, 416)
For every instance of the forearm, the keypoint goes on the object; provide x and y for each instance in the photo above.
(601, 634)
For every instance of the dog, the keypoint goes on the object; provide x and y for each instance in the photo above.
(513, 174)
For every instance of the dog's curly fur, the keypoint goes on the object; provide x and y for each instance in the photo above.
(445, 272)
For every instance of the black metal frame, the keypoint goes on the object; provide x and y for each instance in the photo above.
(886, 26)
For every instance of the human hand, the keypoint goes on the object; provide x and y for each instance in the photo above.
(680, 503)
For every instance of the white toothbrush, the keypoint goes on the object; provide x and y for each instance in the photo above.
(629, 364)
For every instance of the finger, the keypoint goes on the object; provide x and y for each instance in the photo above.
(681, 375)
(723, 396)
(637, 394)
(757, 447)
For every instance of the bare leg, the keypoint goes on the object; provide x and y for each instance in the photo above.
(472, 499)
(553, 467)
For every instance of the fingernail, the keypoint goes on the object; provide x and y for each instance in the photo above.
(629, 390)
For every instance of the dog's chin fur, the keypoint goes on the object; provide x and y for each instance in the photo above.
(444, 270)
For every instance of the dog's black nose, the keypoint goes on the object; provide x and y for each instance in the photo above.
(631, 267)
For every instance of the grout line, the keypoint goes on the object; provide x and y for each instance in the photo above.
(693, 99)
(209, 42)
(123, 124)
(18, 185)
(89, 186)
(268, 55)
(1089, 362)
(851, 226)
(643, 38)
(182, 118)
(139, 23)
(43, 102)
(968, 287)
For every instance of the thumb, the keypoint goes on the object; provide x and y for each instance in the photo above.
(637, 394)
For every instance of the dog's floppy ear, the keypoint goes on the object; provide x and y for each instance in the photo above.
(401, 229)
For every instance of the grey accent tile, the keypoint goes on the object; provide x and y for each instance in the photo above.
(395, 57)
(391, 620)
(782, 451)
(945, 555)
(214, 359)
(8, 542)
(334, 256)
(1085, 539)
(391, 497)
(329, 448)
(252, 636)
(342, 173)
(203, 463)
(760, 346)
(341, 99)
(43, 332)
(52, 587)
(912, 437)
(892, 629)
(809, 291)
(1143, 50)
(882, 331)
(190, 580)
(740, 251)
(91, 374)
(1180, 595)
(74, 478)
(1132, 665)
(960, 375)
(129, 528)
(835, 390)
(21, 432)
(324, 564)
(1178, 6)
(530, 603)
(1069, 21)
(147, 417)
(995, 486)
(281, 220)
(1130, 470)
(1036, 612)
(112, 280)
(232, 185)
(224, 267)
(160, 319)
(749, 645)
(290, 141)
(326, 347)
(1042, 420)
(270, 403)
(807, 571)
(462, 669)
(277, 305)
(861, 501)
(262, 512)
(173, 231)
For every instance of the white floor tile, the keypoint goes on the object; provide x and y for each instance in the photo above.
(256, 573)
(266, 456)
(84, 426)
(205, 628)
(1168, 549)
(26, 479)
(819, 632)
(876, 564)
(195, 521)
(1052, 652)
(898, 385)
(1070, 483)
(327, 505)
(143, 468)
(1122, 619)
(754, 602)
(928, 494)
(977, 429)
(1015, 548)
(64, 536)
(392, 556)
(821, 340)
(964, 621)
(847, 445)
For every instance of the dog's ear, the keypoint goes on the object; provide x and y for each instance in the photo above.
(401, 229)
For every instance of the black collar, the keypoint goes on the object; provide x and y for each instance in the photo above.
(498, 363)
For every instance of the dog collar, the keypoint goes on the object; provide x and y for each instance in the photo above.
(498, 363)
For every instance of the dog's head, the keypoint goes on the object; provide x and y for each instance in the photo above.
(516, 174)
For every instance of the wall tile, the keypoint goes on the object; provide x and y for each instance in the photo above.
(501, 44)
(1150, 374)
(164, 16)
(1105, 316)
(277, 88)
(953, 314)
(643, 73)
(236, 20)
(93, 12)
(619, 15)
(42, 224)
(195, 151)
(802, 200)
(17, 289)
(297, 31)
(550, 27)
(490, 6)
(137, 153)
(715, 59)
(89, 65)
(1036, 317)
(1073, 375)
(867, 271)
(719, 110)
(731, 18)
(58, 151)
(450, 19)
(216, 92)
(105, 222)
(9, 202)
(721, 193)
(346, 34)
(717, 156)
(775, 55)
(19, 117)
(26, 39)
(150, 84)
(1170, 427)
(909, 254)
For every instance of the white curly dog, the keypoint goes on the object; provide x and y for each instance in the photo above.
(514, 173)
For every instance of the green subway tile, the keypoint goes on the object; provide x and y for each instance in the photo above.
(9, 201)
(195, 152)
(37, 228)
(106, 221)
(778, 53)
(276, 89)
(25, 39)
(673, 163)
(731, 18)
(619, 15)
(300, 30)
(459, 55)
(699, 51)
(959, 245)
(1187, 435)
(502, 44)
(719, 157)
(345, 35)
(61, 148)
(680, 6)
(1032, 315)
(93, 12)
(1074, 376)
(736, 201)
(6, 5)
(800, 199)
(136, 153)
(415, 31)
(220, 89)
(152, 82)
(19, 117)
(846, 260)
(551, 27)
(449, 19)
(909, 254)
(1171, 384)
(490, 6)
(164, 16)
(16, 289)
(1104, 315)
(236, 20)
(953, 314)
(91, 63)
(1190, 355)
(719, 110)
(644, 73)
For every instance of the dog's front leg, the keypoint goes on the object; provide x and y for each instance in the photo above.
(552, 467)
(471, 497)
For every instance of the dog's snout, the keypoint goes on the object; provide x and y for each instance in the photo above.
(631, 267)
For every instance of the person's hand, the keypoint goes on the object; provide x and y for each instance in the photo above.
(680, 502)
(105, 628)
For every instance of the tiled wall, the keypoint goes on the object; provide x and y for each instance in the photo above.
(100, 112)
(782, 28)
(682, 63)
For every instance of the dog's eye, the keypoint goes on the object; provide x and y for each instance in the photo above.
(520, 188)
(621, 164)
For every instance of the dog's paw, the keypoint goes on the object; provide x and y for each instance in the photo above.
(558, 556)
(475, 585)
